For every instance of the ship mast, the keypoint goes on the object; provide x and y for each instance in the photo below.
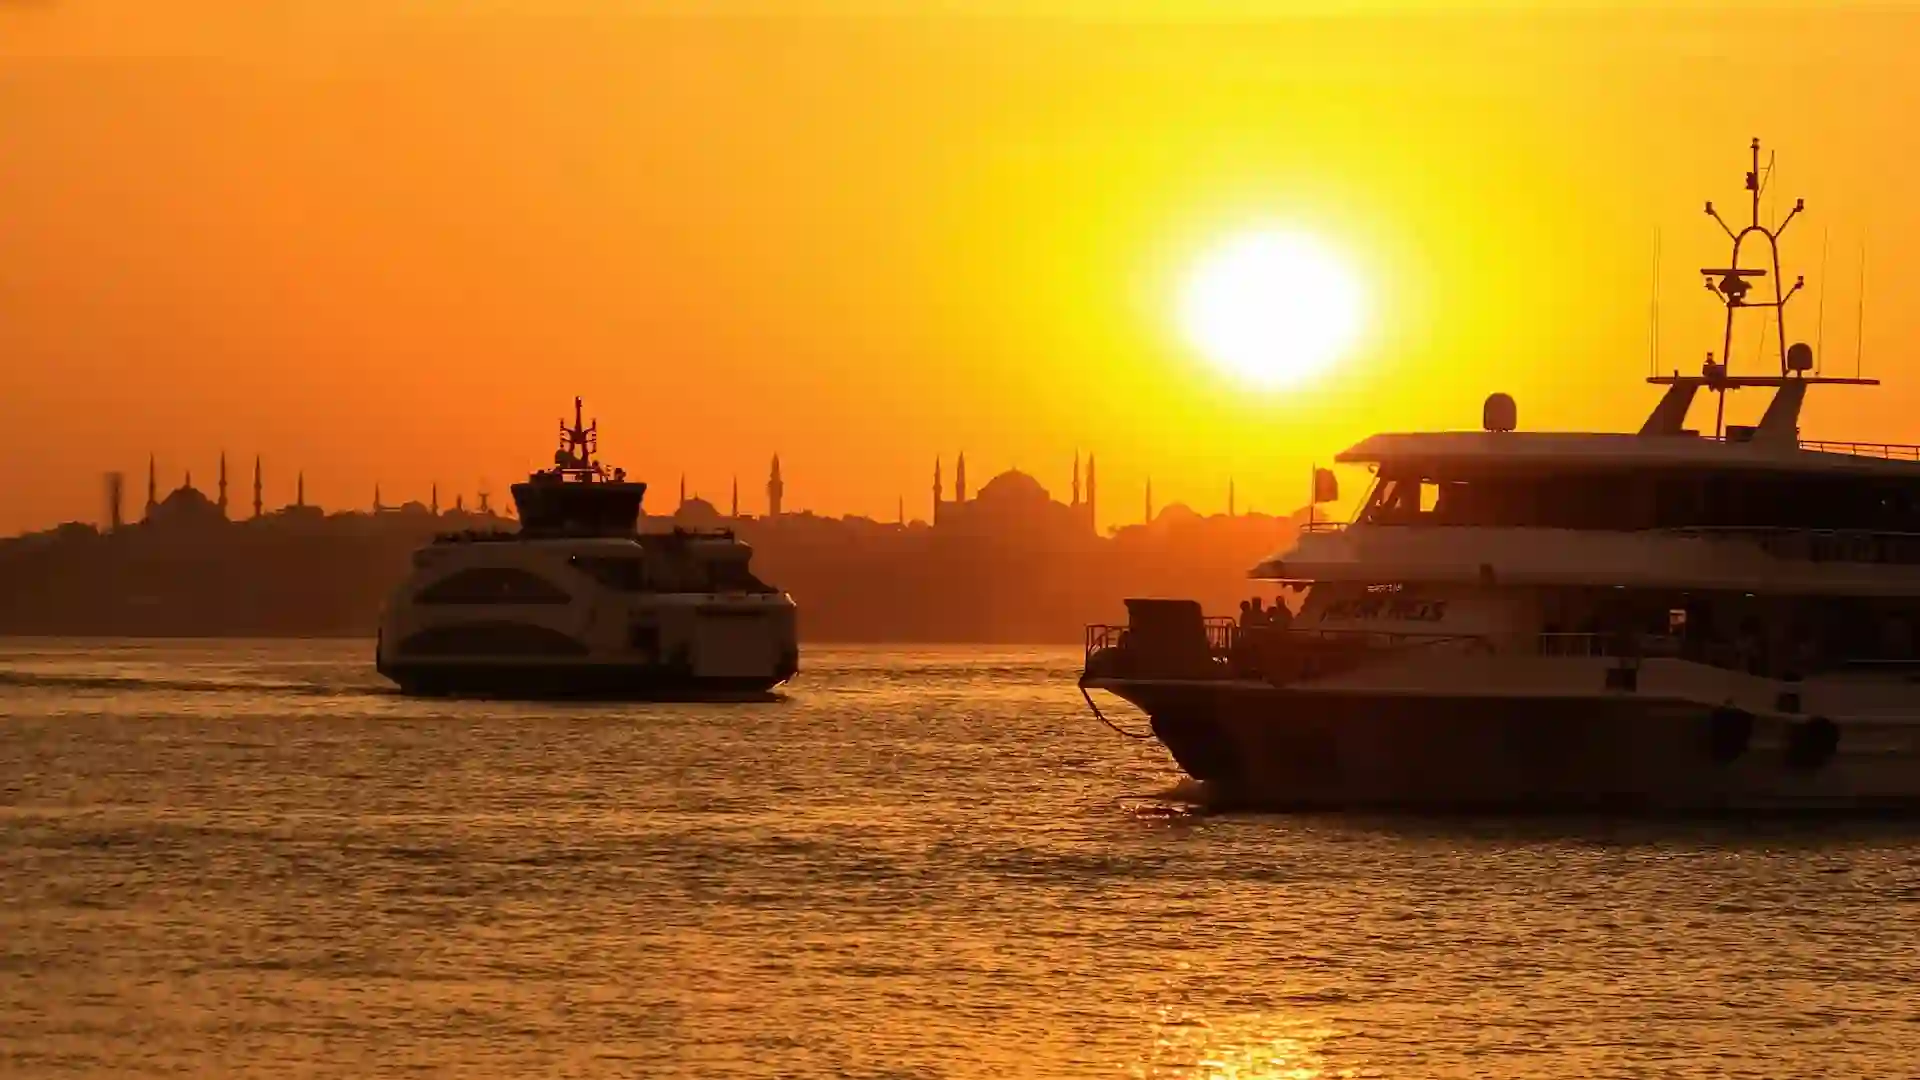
(1731, 285)
(1734, 282)
(578, 445)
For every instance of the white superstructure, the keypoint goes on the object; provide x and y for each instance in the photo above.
(581, 603)
(1668, 618)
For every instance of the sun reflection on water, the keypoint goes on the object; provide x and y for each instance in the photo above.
(1249, 1047)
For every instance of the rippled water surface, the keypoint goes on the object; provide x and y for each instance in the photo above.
(251, 859)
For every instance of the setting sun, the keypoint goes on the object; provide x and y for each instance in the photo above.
(1273, 308)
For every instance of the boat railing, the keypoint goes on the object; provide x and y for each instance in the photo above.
(1627, 645)
(1221, 630)
(1344, 636)
(1315, 527)
(1286, 653)
(1816, 545)
(1225, 636)
(477, 536)
(1889, 451)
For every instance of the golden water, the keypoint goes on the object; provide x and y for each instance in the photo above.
(225, 859)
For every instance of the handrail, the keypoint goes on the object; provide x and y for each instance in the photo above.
(1790, 530)
(1888, 451)
(1323, 527)
(1872, 546)
(1242, 653)
(1221, 631)
(1224, 635)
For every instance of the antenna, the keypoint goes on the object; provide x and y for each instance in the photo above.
(1820, 320)
(1766, 182)
(1860, 320)
(1653, 344)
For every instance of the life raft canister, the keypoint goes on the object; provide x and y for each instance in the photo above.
(1729, 732)
(1811, 744)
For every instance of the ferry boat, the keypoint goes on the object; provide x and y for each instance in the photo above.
(581, 603)
(1666, 619)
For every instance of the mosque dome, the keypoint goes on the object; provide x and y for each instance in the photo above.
(697, 509)
(1013, 486)
(187, 504)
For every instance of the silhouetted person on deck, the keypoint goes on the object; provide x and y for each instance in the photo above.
(1280, 616)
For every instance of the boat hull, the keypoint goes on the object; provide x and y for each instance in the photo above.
(573, 681)
(1256, 746)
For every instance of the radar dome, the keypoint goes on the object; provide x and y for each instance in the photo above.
(1499, 413)
(1800, 357)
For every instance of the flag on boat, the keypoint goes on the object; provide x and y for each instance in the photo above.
(1326, 488)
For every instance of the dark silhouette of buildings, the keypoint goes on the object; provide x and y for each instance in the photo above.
(1005, 563)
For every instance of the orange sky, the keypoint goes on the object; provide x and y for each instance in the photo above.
(386, 241)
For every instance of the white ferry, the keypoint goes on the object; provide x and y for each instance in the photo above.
(1667, 619)
(580, 602)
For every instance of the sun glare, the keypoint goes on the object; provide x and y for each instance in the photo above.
(1273, 308)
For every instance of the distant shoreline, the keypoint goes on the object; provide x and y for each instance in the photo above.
(18, 636)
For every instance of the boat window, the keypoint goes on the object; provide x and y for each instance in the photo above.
(624, 574)
(490, 639)
(733, 576)
(492, 585)
(1672, 499)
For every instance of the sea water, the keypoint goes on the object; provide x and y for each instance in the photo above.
(254, 859)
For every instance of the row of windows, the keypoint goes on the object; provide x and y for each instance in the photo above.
(509, 585)
(635, 575)
(492, 585)
(1647, 500)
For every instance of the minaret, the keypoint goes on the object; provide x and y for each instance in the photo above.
(433, 503)
(1230, 512)
(960, 478)
(776, 488)
(256, 485)
(189, 482)
(1093, 521)
(300, 489)
(736, 496)
(223, 484)
(116, 486)
(376, 497)
(900, 510)
(459, 504)
(1076, 478)
(1149, 500)
(683, 491)
(153, 487)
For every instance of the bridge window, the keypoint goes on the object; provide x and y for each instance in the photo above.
(493, 585)
(733, 576)
(1644, 499)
